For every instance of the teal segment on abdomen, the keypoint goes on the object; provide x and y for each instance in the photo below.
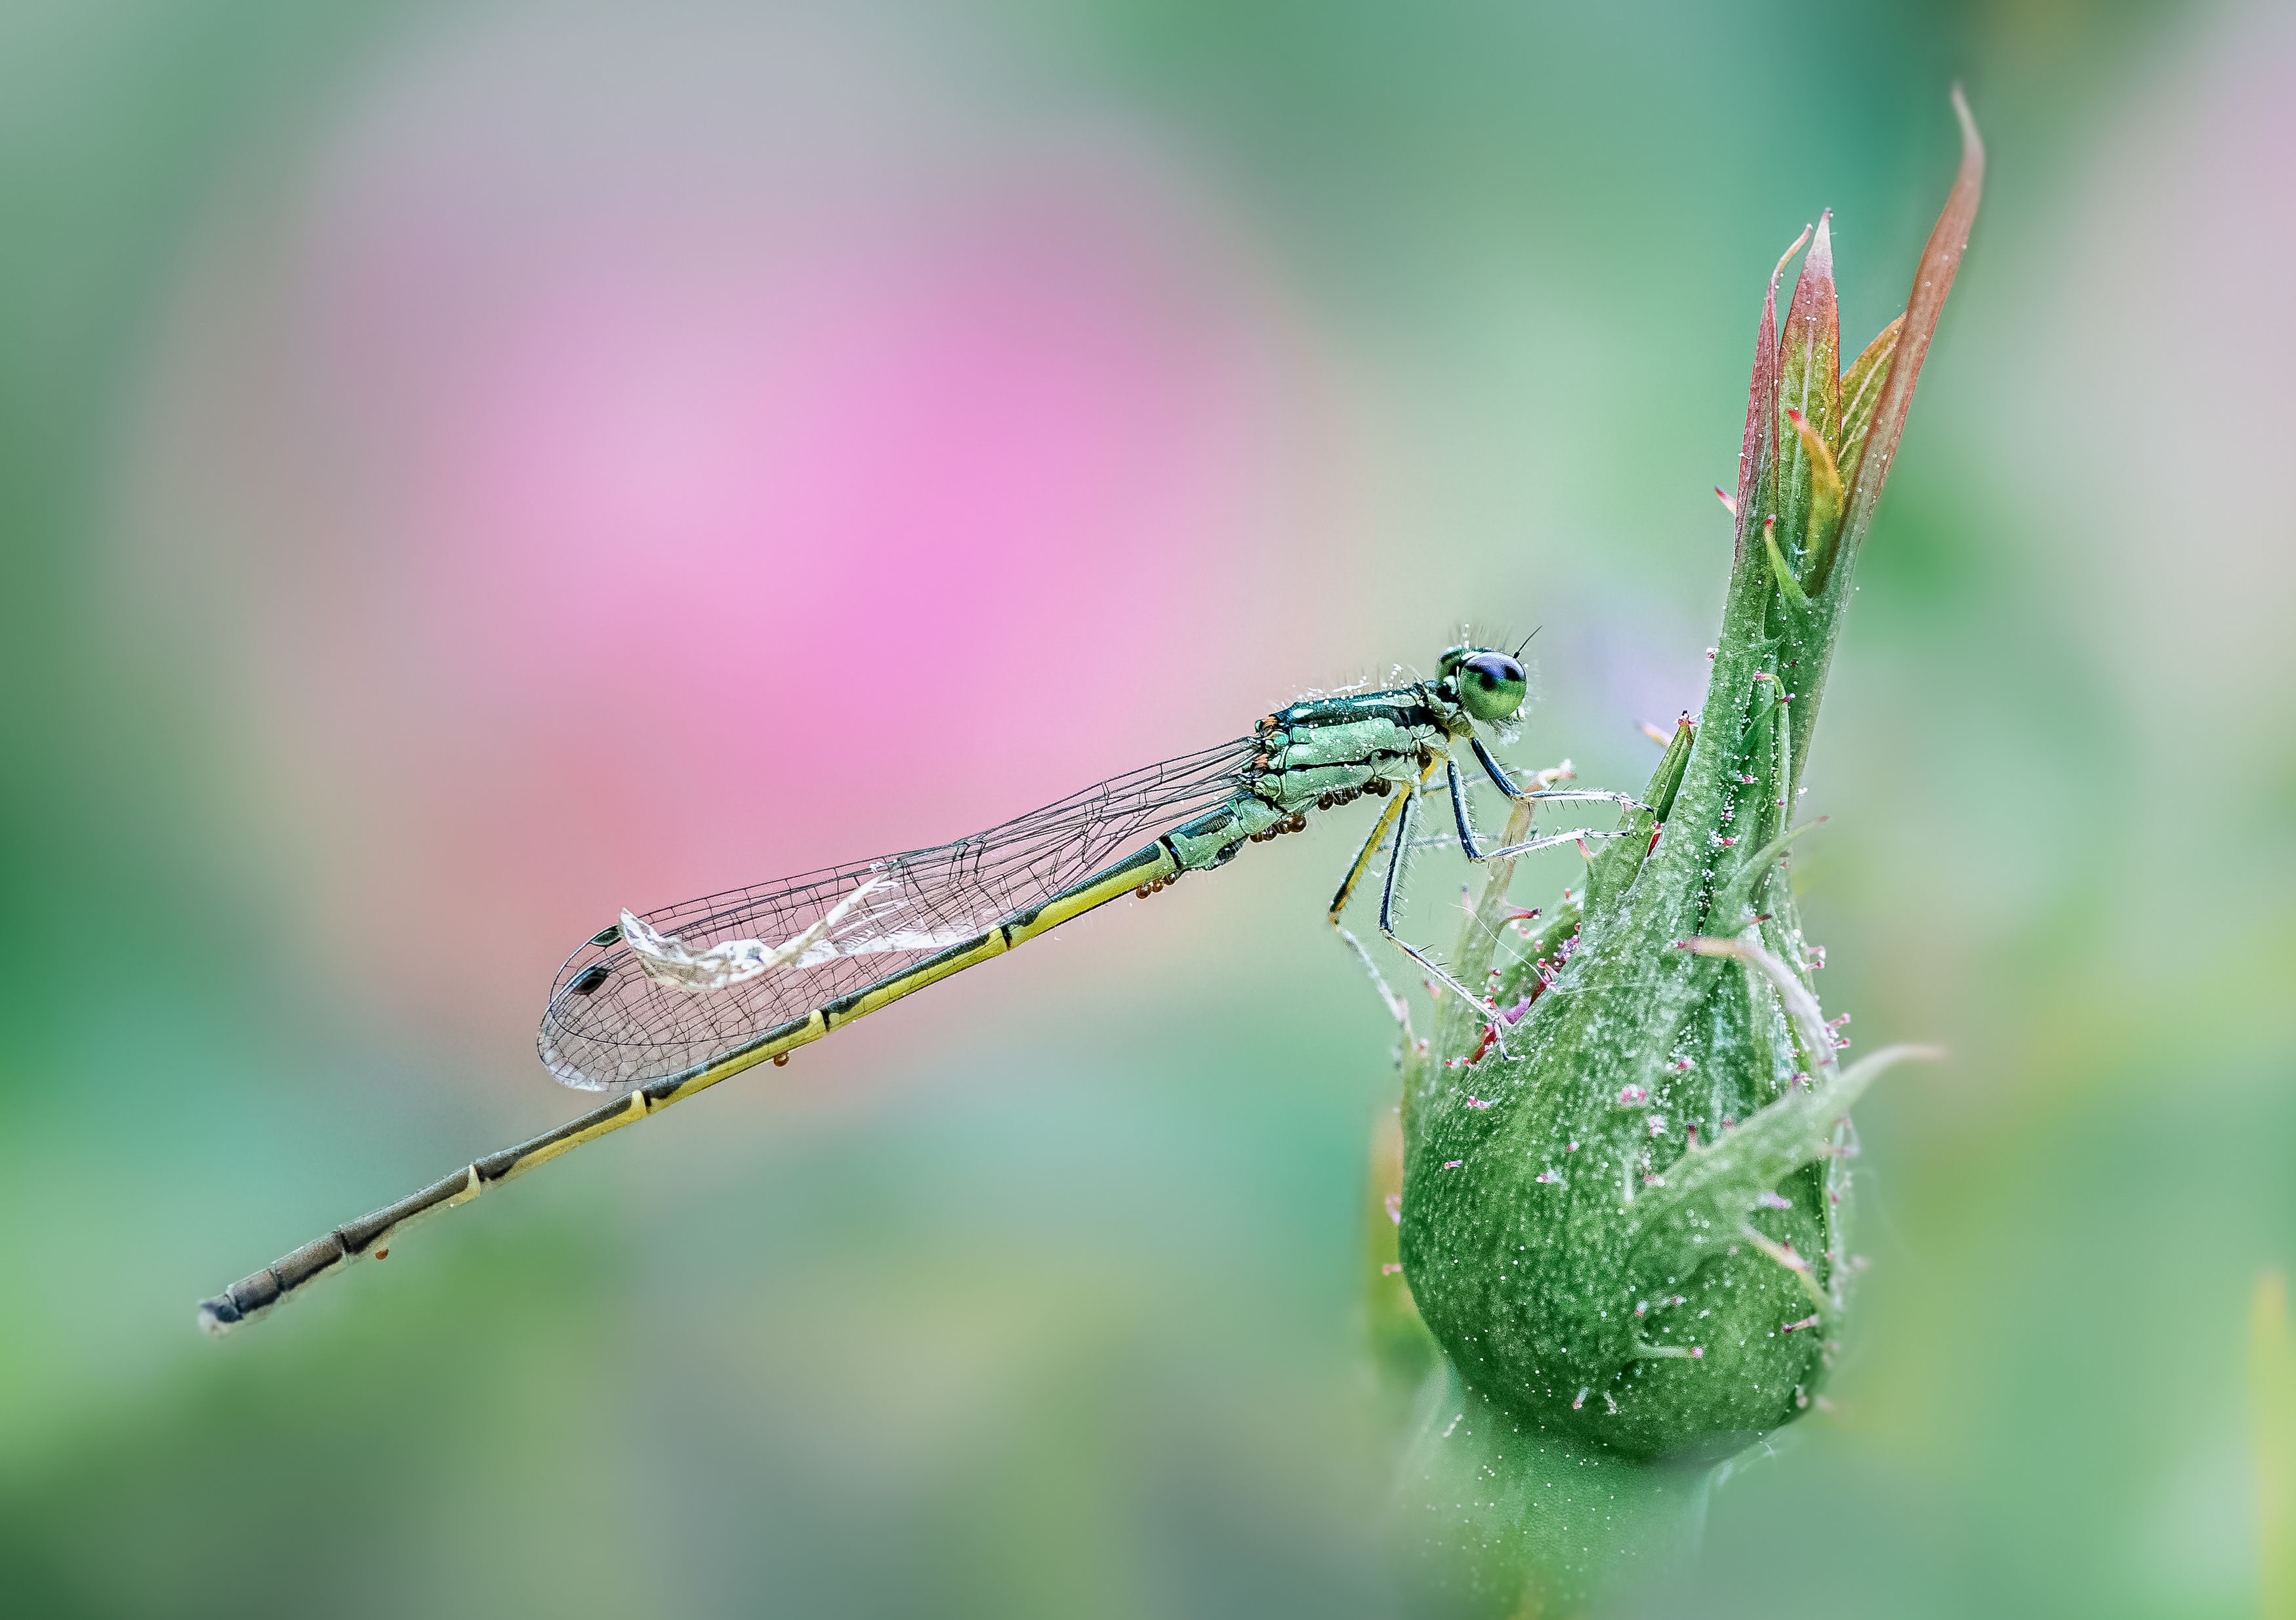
(1206, 841)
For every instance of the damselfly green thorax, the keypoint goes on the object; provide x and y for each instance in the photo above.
(659, 1007)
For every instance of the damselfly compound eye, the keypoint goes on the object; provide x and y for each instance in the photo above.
(1491, 686)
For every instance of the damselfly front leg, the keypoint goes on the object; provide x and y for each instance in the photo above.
(1397, 816)
(1507, 785)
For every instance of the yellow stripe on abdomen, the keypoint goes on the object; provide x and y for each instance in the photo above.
(1114, 883)
(931, 971)
(812, 1030)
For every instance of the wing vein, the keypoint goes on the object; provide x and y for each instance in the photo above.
(739, 962)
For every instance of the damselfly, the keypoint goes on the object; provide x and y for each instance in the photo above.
(656, 1008)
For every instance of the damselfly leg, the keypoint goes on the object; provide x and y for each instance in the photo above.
(1507, 785)
(1398, 818)
(1473, 847)
(1380, 829)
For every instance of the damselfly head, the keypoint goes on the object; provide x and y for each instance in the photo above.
(1490, 686)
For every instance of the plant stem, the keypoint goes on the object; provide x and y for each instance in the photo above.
(1495, 1516)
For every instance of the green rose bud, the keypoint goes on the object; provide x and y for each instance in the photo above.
(1626, 1194)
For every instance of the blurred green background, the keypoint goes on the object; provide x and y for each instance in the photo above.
(468, 468)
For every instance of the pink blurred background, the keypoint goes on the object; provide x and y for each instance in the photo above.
(472, 468)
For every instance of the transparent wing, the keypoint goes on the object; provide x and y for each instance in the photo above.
(677, 988)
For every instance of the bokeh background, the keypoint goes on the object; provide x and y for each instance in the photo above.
(466, 468)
